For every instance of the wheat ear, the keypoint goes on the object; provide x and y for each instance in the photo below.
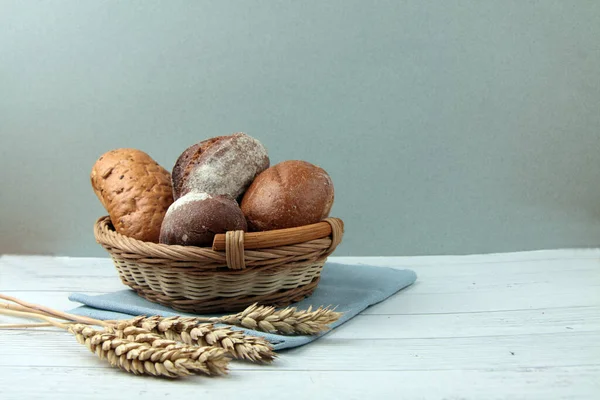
(288, 321)
(150, 354)
(142, 352)
(188, 330)
(33, 315)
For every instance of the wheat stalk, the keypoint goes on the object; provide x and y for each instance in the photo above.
(151, 354)
(25, 326)
(33, 315)
(188, 330)
(288, 321)
(16, 307)
(47, 311)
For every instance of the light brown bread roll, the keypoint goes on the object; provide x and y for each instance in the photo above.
(135, 191)
(195, 218)
(291, 193)
(223, 165)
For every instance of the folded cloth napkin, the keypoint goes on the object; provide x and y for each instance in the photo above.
(349, 288)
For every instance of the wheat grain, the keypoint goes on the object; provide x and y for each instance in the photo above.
(188, 330)
(288, 321)
(147, 353)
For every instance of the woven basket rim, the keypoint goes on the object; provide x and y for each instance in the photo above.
(107, 236)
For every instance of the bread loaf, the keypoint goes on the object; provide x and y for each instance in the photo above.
(195, 218)
(291, 193)
(223, 165)
(135, 191)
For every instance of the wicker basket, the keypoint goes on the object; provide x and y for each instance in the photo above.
(276, 267)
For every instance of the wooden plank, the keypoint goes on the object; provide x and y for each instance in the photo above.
(548, 261)
(521, 325)
(479, 259)
(36, 268)
(20, 348)
(410, 301)
(526, 285)
(577, 319)
(574, 383)
(36, 273)
(73, 272)
(439, 265)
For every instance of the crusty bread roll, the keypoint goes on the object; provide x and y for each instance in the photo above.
(182, 167)
(195, 218)
(135, 191)
(223, 165)
(291, 193)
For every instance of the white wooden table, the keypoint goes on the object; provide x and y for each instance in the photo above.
(502, 326)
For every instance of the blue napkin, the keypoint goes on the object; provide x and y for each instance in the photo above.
(350, 288)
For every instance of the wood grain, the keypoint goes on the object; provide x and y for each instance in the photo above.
(573, 383)
(501, 326)
(330, 354)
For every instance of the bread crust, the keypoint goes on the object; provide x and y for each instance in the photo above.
(195, 218)
(135, 191)
(186, 161)
(224, 165)
(289, 194)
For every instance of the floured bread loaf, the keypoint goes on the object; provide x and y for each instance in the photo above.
(223, 165)
(135, 191)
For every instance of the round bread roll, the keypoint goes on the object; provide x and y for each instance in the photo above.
(195, 218)
(291, 193)
(135, 191)
(223, 165)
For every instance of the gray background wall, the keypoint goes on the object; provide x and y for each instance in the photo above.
(447, 126)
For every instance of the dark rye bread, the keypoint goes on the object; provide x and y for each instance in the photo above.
(182, 166)
(289, 194)
(195, 218)
(224, 165)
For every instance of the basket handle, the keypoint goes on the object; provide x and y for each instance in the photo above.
(281, 237)
(235, 242)
(234, 250)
